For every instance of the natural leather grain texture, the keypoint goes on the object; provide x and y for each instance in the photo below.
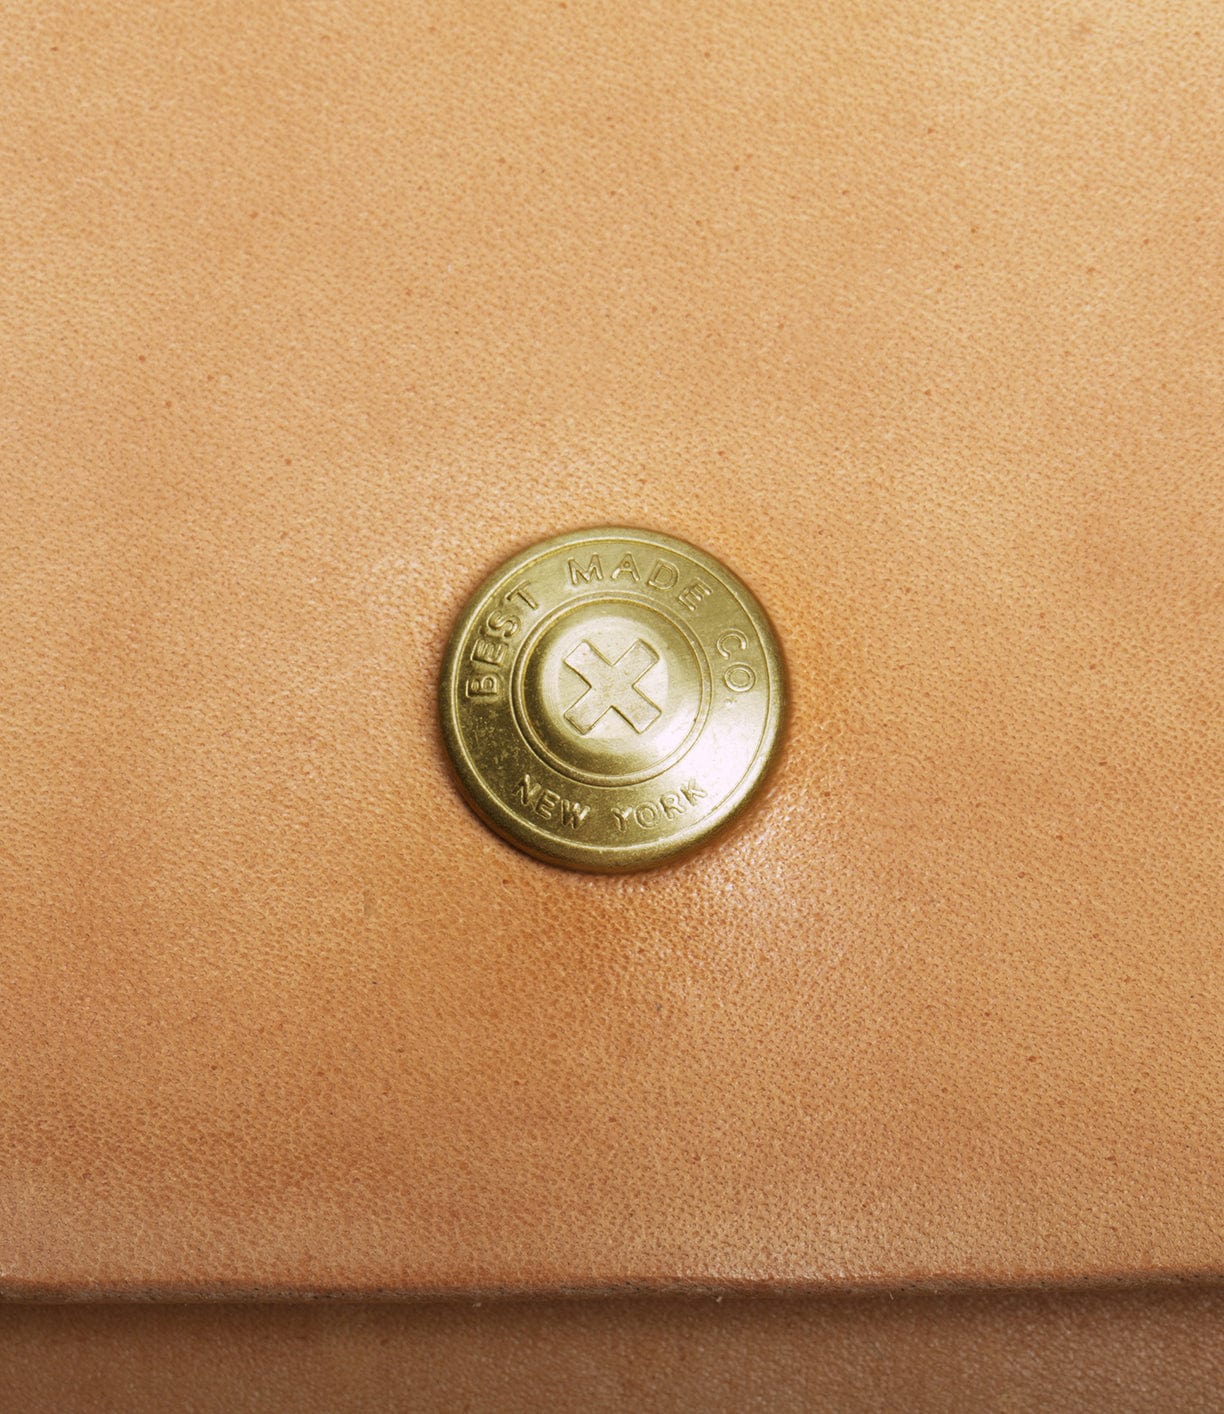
(311, 315)
(1092, 1352)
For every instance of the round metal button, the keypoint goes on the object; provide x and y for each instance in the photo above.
(610, 698)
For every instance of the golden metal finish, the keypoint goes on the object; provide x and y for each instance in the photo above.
(611, 698)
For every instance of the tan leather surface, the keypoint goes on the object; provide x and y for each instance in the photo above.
(1117, 1353)
(313, 313)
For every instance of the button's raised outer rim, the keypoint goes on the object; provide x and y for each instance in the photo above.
(610, 859)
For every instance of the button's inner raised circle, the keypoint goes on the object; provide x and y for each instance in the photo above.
(611, 690)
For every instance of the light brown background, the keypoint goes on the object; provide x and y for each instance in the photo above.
(311, 315)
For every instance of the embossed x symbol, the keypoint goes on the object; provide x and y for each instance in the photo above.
(612, 687)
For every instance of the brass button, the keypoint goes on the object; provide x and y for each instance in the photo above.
(611, 698)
